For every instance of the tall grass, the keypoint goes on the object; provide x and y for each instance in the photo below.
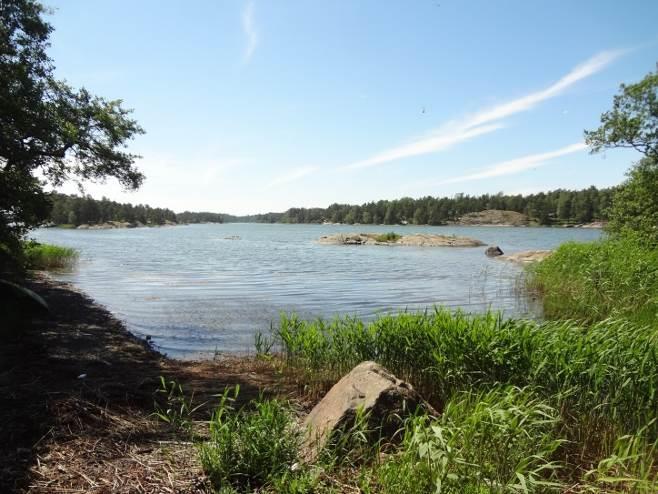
(602, 378)
(47, 256)
(502, 440)
(249, 449)
(596, 280)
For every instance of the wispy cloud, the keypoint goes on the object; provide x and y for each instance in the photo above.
(488, 120)
(438, 140)
(250, 32)
(514, 166)
(292, 176)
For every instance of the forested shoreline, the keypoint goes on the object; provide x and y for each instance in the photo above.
(558, 207)
(73, 210)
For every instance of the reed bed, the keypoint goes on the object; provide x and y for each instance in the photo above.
(592, 281)
(46, 256)
(602, 379)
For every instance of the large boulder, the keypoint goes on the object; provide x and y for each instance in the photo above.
(494, 251)
(370, 388)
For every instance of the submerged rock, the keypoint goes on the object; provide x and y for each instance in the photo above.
(415, 240)
(493, 251)
(368, 388)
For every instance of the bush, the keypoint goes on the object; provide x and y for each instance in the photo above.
(46, 256)
(593, 281)
(635, 205)
(249, 448)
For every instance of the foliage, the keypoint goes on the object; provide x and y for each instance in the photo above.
(633, 123)
(47, 256)
(47, 128)
(249, 448)
(593, 281)
(200, 217)
(631, 464)
(496, 441)
(554, 207)
(388, 237)
(76, 210)
(633, 120)
(608, 371)
(177, 410)
(635, 205)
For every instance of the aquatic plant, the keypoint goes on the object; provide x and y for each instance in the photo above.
(47, 256)
(595, 280)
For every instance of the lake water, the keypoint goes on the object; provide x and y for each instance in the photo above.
(195, 290)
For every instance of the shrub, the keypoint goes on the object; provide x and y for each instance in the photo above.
(635, 205)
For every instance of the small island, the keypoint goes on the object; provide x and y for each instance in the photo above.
(392, 238)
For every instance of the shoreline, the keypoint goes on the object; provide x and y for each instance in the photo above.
(79, 394)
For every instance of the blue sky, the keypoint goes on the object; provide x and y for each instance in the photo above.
(255, 106)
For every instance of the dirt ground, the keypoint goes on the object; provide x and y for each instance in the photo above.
(77, 395)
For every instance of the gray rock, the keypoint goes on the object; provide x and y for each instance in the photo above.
(368, 387)
(494, 251)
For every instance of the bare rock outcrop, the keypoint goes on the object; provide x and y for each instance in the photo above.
(494, 217)
(413, 240)
(370, 388)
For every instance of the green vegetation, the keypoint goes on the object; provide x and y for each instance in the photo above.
(584, 390)
(49, 131)
(249, 448)
(615, 277)
(633, 120)
(559, 207)
(502, 440)
(525, 407)
(77, 210)
(635, 206)
(388, 237)
(633, 123)
(47, 256)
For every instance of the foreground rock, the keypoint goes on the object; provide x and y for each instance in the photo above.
(493, 251)
(370, 388)
(527, 256)
(494, 217)
(415, 240)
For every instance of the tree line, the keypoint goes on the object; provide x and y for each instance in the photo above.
(77, 210)
(545, 208)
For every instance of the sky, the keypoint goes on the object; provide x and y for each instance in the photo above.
(252, 106)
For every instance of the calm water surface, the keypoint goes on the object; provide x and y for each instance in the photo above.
(195, 290)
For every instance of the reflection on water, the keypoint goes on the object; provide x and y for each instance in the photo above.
(200, 288)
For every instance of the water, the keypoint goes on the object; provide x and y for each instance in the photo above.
(195, 290)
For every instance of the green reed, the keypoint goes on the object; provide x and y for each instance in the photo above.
(47, 256)
(602, 378)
